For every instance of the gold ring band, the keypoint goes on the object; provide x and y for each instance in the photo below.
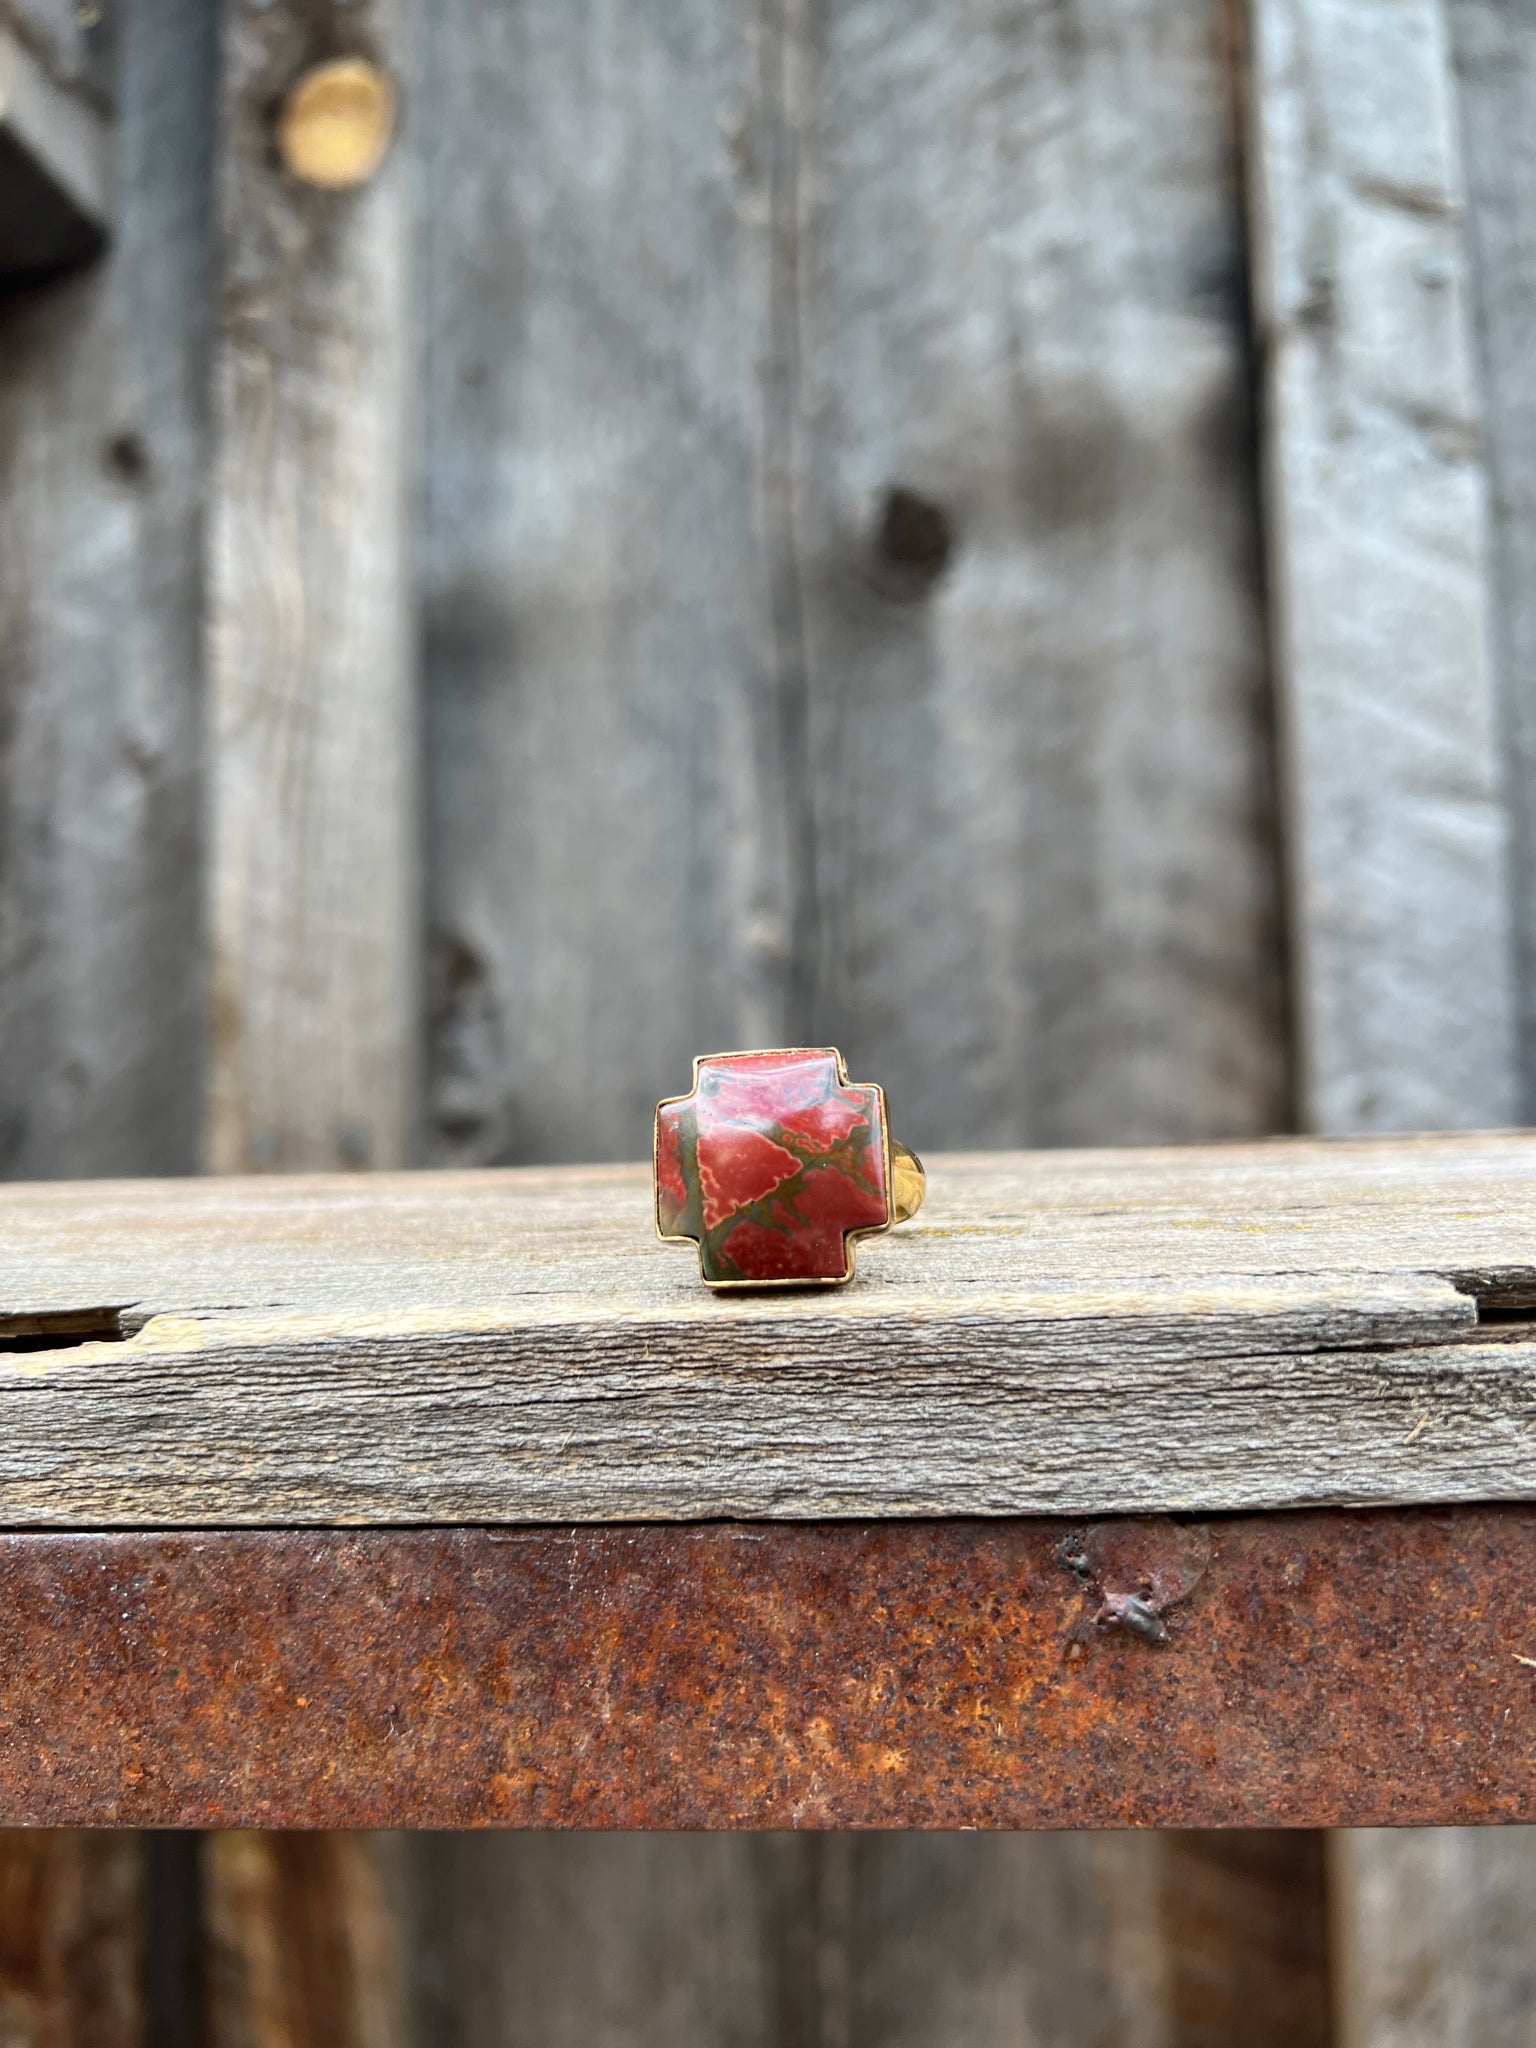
(909, 1183)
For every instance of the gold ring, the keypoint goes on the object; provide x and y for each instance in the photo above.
(775, 1164)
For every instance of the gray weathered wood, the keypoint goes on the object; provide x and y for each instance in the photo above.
(102, 454)
(538, 1941)
(1437, 1944)
(1037, 767)
(74, 44)
(1401, 933)
(839, 570)
(606, 841)
(313, 862)
(1224, 1328)
(55, 147)
(313, 817)
(1495, 51)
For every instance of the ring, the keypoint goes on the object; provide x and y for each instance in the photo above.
(775, 1165)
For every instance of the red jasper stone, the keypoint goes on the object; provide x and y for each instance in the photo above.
(770, 1163)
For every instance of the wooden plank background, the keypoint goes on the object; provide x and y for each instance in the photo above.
(803, 462)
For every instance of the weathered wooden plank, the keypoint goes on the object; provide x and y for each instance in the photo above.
(71, 1940)
(1261, 1326)
(1245, 1927)
(1020, 533)
(1023, 1941)
(833, 781)
(74, 44)
(607, 858)
(543, 1940)
(1437, 1944)
(1309, 1669)
(538, 1940)
(313, 818)
(102, 451)
(302, 1944)
(1401, 932)
(55, 147)
(1495, 53)
(314, 854)
(1038, 1941)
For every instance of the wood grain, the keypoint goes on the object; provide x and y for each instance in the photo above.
(605, 851)
(1021, 539)
(555, 1941)
(302, 1946)
(102, 453)
(312, 859)
(1437, 1934)
(71, 1939)
(1261, 1326)
(1495, 53)
(839, 571)
(1379, 564)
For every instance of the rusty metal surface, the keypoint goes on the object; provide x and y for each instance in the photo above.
(1309, 1669)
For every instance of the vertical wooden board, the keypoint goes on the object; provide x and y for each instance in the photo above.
(1436, 1938)
(312, 857)
(302, 1942)
(102, 452)
(1025, 544)
(1494, 47)
(1244, 1926)
(71, 1939)
(1379, 563)
(605, 806)
(649, 1941)
(1012, 1941)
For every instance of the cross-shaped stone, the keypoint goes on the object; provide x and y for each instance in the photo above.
(773, 1163)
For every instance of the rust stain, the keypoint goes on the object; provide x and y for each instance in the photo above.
(1317, 1669)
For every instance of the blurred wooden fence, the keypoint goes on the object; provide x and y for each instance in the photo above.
(1000, 536)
